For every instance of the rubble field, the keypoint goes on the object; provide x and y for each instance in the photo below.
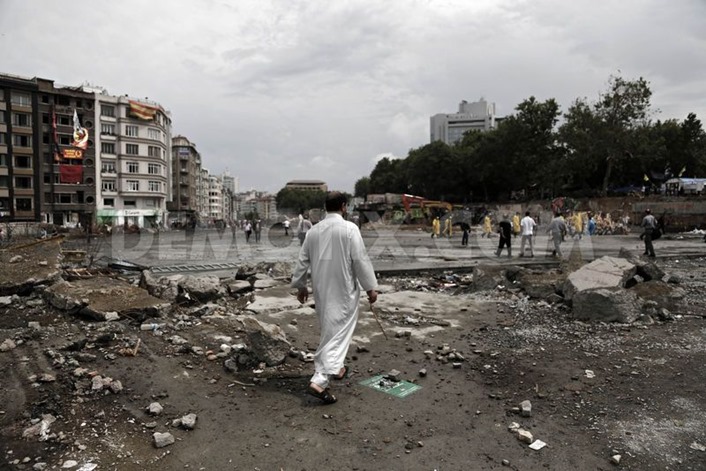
(573, 366)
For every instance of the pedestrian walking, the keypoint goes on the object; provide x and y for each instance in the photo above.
(505, 231)
(516, 228)
(435, 227)
(649, 226)
(557, 229)
(286, 227)
(528, 227)
(335, 253)
(303, 229)
(248, 231)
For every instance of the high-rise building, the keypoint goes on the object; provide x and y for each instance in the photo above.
(134, 142)
(450, 128)
(186, 176)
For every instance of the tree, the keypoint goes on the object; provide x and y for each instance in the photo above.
(386, 177)
(604, 133)
(622, 109)
(362, 187)
(300, 200)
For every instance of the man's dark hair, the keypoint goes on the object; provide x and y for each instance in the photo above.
(334, 201)
(526, 213)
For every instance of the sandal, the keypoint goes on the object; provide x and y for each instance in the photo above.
(324, 395)
(343, 375)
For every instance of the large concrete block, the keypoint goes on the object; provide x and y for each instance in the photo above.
(607, 305)
(605, 272)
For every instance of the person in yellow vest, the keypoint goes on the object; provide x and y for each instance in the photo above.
(435, 227)
(516, 224)
(487, 226)
(578, 224)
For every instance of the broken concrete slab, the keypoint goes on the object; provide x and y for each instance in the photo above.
(605, 272)
(646, 269)
(98, 297)
(268, 343)
(275, 299)
(184, 289)
(607, 305)
(238, 287)
(25, 273)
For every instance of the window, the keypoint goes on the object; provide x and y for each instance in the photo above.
(131, 131)
(108, 202)
(65, 140)
(4, 181)
(23, 182)
(107, 128)
(3, 138)
(108, 110)
(64, 120)
(22, 100)
(130, 204)
(108, 185)
(133, 185)
(133, 167)
(23, 161)
(154, 151)
(132, 149)
(108, 147)
(154, 134)
(3, 159)
(23, 204)
(21, 119)
(63, 198)
(150, 203)
(154, 186)
(154, 169)
(2, 116)
(108, 167)
(20, 140)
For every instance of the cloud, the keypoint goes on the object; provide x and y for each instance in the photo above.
(319, 89)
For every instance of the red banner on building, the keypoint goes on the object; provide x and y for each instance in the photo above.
(70, 173)
(142, 111)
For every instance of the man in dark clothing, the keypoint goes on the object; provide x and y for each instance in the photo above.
(505, 231)
(649, 224)
(466, 229)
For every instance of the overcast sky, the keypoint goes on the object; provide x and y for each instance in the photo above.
(321, 89)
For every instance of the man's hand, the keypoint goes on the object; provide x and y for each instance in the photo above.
(303, 295)
(372, 296)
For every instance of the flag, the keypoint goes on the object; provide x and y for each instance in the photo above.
(645, 177)
(141, 111)
(80, 134)
(70, 173)
(681, 172)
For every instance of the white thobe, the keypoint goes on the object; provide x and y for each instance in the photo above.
(335, 252)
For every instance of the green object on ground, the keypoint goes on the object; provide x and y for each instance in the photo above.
(393, 388)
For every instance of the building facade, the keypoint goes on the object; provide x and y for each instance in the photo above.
(47, 152)
(312, 185)
(186, 180)
(19, 149)
(134, 141)
(449, 128)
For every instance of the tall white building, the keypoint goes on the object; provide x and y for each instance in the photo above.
(133, 153)
(215, 198)
(450, 128)
(230, 182)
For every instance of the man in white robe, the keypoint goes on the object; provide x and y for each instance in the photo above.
(334, 251)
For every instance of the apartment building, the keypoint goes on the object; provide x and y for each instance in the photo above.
(215, 198)
(134, 153)
(186, 179)
(19, 149)
(450, 128)
(47, 152)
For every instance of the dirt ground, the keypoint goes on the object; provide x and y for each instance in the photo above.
(596, 390)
